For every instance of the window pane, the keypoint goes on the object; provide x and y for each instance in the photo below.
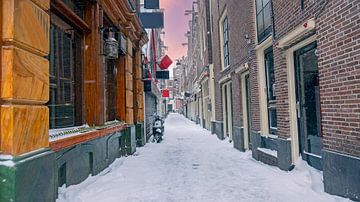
(265, 2)
(67, 56)
(61, 103)
(267, 16)
(270, 75)
(272, 118)
(260, 23)
(258, 6)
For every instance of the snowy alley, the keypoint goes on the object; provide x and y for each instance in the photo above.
(193, 165)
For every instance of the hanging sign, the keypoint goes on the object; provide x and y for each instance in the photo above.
(165, 93)
(152, 4)
(152, 20)
(147, 85)
(165, 62)
(162, 75)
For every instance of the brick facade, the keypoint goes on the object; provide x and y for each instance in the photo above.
(241, 48)
(339, 65)
(335, 27)
(338, 37)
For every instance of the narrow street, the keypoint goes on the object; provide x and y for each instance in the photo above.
(193, 165)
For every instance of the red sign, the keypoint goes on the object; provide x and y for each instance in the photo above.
(165, 62)
(165, 93)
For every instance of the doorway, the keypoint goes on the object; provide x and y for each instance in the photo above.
(308, 105)
(227, 110)
(246, 108)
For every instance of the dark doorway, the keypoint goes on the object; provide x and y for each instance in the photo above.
(308, 105)
(248, 108)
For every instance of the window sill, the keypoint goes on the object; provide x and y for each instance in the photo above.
(72, 139)
(225, 68)
(264, 44)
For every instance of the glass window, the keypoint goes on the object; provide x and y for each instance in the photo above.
(77, 6)
(226, 42)
(270, 86)
(263, 19)
(65, 69)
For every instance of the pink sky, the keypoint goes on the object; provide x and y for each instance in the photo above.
(176, 25)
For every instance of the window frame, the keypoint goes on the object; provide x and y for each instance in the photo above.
(224, 40)
(266, 31)
(270, 92)
(62, 28)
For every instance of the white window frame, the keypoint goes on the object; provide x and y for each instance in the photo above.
(222, 42)
(264, 114)
(247, 130)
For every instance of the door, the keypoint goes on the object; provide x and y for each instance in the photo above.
(226, 112)
(248, 109)
(227, 107)
(308, 105)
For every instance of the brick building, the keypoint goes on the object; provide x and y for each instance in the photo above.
(316, 55)
(234, 69)
(287, 84)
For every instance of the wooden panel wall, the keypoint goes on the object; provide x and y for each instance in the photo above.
(24, 121)
(138, 89)
(93, 70)
(129, 85)
(26, 26)
(28, 69)
(121, 90)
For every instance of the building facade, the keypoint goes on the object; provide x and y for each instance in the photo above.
(72, 94)
(286, 83)
(153, 100)
(200, 74)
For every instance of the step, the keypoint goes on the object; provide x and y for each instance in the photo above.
(267, 156)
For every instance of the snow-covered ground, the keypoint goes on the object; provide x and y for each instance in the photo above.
(193, 165)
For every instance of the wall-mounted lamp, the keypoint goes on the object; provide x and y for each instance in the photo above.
(111, 48)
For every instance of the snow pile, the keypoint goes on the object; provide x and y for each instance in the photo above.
(193, 165)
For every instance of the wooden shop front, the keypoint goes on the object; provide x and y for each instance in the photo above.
(60, 90)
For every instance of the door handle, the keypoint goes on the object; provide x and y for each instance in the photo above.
(298, 109)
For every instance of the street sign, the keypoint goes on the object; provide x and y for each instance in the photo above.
(152, 20)
(152, 4)
(162, 74)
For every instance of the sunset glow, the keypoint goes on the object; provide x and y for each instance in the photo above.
(176, 25)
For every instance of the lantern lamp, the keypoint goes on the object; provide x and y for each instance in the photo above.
(111, 47)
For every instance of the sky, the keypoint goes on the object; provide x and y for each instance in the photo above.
(176, 25)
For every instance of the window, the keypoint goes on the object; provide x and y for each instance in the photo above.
(270, 86)
(77, 6)
(263, 19)
(65, 103)
(225, 27)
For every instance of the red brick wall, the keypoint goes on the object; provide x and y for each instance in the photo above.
(339, 68)
(338, 38)
(216, 12)
(240, 24)
(288, 15)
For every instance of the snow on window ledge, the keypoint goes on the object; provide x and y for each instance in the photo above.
(268, 151)
(6, 160)
(62, 133)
